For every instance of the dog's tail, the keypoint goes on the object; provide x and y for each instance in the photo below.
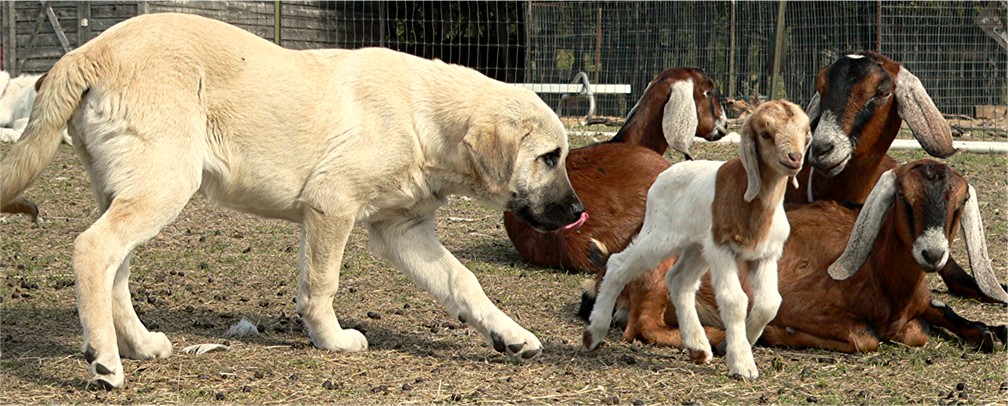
(59, 94)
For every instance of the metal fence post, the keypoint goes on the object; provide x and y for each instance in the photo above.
(778, 41)
(731, 53)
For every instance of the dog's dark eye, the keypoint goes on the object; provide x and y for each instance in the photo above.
(765, 135)
(551, 158)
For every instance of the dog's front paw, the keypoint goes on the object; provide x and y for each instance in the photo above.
(349, 340)
(519, 344)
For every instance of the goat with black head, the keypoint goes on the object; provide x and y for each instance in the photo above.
(860, 103)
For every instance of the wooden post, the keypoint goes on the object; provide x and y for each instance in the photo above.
(276, 22)
(83, 22)
(731, 52)
(778, 43)
(142, 8)
(57, 28)
(10, 43)
(528, 41)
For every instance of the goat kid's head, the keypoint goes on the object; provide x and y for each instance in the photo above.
(773, 138)
(692, 109)
(928, 200)
(854, 97)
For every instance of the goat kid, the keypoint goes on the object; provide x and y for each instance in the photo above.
(879, 292)
(612, 178)
(749, 227)
(861, 101)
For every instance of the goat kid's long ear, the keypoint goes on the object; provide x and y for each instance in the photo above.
(750, 161)
(866, 228)
(976, 247)
(920, 113)
(812, 111)
(679, 121)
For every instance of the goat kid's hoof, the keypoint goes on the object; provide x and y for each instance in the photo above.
(522, 350)
(700, 357)
(347, 340)
(746, 371)
(590, 341)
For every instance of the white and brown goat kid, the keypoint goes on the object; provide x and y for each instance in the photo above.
(715, 215)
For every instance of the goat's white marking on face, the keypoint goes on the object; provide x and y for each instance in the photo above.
(855, 56)
(829, 131)
(932, 239)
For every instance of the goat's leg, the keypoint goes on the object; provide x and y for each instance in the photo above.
(649, 305)
(643, 254)
(976, 334)
(683, 281)
(765, 297)
(776, 336)
(914, 333)
(962, 284)
(732, 302)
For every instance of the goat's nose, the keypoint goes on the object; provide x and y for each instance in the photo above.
(932, 255)
(820, 149)
(795, 157)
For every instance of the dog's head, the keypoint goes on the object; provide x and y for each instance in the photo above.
(519, 148)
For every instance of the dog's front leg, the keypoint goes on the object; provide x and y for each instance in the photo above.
(410, 243)
(323, 239)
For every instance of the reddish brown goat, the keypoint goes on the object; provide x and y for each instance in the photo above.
(860, 104)
(612, 178)
(902, 233)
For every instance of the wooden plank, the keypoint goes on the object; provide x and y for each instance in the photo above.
(57, 28)
(110, 10)
(575, 88)
(10, 39)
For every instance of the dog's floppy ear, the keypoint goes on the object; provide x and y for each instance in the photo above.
(922, 116)
(750, 160)
(679, 121)
(492, 149)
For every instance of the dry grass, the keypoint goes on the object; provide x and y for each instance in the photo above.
(213, 267)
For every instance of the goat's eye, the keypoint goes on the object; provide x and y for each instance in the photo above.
(706, 93)
(550, 159)
(765, 135)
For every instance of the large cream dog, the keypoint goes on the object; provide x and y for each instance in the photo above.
(164, 106)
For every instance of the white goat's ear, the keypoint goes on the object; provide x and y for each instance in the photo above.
(812, 111)
(750, 161)
(976, 247)
(679, 122)
(866, 228)
(922, 116)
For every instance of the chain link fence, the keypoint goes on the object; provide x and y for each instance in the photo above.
(959, 49)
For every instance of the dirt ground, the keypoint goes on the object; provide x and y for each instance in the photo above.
(213, 267)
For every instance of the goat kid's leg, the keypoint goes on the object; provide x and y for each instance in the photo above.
(641, 255)
(410, 243)
(323, 239)
(732, 302)
(683, 281)
(977, 335)
(765, 298)
(962, 284)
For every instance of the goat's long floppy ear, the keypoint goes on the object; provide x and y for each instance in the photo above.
(679, 121)
(920, 113)
(812, 111)
(750, 161)
(866, 228)
(492, 153)
(976, 247)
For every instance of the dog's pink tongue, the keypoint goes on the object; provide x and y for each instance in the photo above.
(577, 224)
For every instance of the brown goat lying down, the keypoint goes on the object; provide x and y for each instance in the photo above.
(612, 178)
(902, 232)
(860, 103)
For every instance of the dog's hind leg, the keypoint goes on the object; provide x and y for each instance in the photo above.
(410, 243)
(323, 238)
